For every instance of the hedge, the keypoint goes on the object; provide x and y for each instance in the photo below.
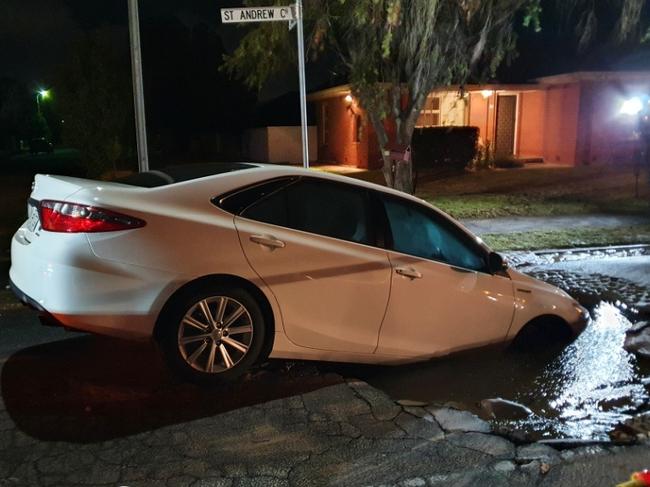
(448, 147)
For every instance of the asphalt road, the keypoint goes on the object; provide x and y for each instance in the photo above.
(82, 410)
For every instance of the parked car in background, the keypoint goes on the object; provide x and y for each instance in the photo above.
(40, 145)
(227, 264)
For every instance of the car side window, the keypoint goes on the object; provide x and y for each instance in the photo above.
(330, 209)
(417, 232)
(240, 200)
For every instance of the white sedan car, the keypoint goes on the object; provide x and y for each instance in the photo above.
(228, 264)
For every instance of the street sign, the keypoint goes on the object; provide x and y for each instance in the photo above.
(257, 14)
(293, 15)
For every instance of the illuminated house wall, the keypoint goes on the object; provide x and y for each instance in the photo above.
(569, 119)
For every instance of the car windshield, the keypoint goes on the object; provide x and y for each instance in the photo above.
(177, 174)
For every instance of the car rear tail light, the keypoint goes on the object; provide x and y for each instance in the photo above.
(60, 216)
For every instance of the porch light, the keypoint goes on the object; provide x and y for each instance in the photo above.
(631, 106)
(348, 98)
(487, 93)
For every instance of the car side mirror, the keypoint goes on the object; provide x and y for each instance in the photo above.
(496, 263)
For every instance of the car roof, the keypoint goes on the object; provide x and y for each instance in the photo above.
(176, 174)
(232, 175)
(262, 172)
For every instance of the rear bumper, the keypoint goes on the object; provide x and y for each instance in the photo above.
(59, 276)
(45, 317)
(24, 298)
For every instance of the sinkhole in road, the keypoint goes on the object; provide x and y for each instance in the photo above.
(578, 391)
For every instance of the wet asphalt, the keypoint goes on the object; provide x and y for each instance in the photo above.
(577, 391)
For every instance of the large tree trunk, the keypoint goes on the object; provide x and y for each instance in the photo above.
(404, 180)
(382, 139)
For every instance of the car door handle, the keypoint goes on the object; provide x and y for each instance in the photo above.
(268, 241)
(408, 272)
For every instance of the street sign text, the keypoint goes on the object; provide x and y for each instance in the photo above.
(257, 14)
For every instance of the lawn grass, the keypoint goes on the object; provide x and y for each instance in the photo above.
(532, 192)
(555, 239)
(542, 191)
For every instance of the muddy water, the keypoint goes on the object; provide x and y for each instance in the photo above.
(580, 391)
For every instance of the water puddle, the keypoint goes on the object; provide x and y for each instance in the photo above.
(580, 391)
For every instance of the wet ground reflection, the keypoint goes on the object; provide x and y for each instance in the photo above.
(580, 391)
(593, 383)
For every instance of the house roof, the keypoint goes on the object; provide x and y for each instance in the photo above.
(538, 84)
(343, 90)
(595, 76)
(333, 92)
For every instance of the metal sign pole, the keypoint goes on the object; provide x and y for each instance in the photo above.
(278, 13)
(303, 89)
(138, 89)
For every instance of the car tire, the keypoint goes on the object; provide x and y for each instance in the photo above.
(212, 349)
(542, 335)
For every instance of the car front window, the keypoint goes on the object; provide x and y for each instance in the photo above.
(416, 231)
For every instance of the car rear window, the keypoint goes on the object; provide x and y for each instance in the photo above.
(177, 174)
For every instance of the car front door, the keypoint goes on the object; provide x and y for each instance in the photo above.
(311, 242)
(442, 299)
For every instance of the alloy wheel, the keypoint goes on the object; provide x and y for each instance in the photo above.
(215, 334)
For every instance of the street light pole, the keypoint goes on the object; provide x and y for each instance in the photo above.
(138, 89)
(43, 94)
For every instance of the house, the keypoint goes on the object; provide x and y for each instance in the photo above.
(571, 119)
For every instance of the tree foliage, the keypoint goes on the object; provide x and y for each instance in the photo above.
(17, 111)
(395, 52)
(617, 21)
(94, 98)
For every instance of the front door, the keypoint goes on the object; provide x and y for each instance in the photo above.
(505, 125)
(442, 300)
(312, 244)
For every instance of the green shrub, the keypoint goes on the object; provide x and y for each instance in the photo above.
(451, 147)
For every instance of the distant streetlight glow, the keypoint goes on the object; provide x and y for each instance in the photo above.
(40, 96)
(631, 106)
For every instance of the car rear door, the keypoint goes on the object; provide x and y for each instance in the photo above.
(312, 242)
(442, 299)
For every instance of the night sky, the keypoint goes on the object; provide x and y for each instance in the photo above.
(34, 35)
(184, 42)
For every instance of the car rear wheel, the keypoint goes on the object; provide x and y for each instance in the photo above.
(213, 335)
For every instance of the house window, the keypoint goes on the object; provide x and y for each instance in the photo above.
(324, 135)
(430, 114)
(358, 128)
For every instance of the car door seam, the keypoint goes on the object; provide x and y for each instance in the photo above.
(277, 303)
(390, 291)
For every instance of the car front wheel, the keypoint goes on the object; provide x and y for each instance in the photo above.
(213, 335)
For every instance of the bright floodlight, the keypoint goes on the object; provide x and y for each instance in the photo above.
(44, 93)
(348, 98)
(631, 106)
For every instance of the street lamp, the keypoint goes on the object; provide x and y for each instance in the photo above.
(631, 106)
(41, 95)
